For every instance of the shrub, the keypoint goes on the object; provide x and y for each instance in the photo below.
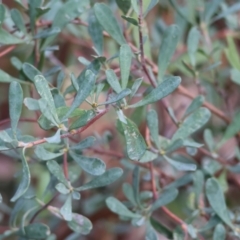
(130, 106)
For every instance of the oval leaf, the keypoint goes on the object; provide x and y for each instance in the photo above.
(80, 224)
(117, 207)
(66, 209)
(161, 91)
(108, 22)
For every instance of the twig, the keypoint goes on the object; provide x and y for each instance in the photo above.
(43, 207)
(7, 50)
(65, 165)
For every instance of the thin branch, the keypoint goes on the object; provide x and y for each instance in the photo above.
(7, 50)
(65, 165)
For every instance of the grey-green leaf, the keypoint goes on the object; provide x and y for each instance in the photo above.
(86, 143)
(2, 13)
(167, 49)
(181, 164)
(165, 198)
(109, 22)
(94, 166)
(216, 200)
(110, 176)
(135, 142)
(195, 104)
(18, 20)
(8, 39)
(233, 128)
(31, 104)
(85, 88)
(235, 75)
(152, 122)
(161, 91)
(38, 230)
(80, 224)
(124, 5)
(219, 232)
(30, 71)
(44, 154)
(128, 192)
(124, 93)
(15, 104)
(25, 181)
(83, 119)
(62, 188)
(113, 81)
(57, 171)
(192, 123)
(117, 207)
(66, 209)
(192, 44)
(125, 59)
(44, 91)
(95, 31)
(137, 83)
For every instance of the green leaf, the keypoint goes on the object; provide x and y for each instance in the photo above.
(2, 13)
(192, 44)
(148, 156)
(161, 228)
(62, 188)
(80, 224)
(198, 183)
(117, 207)
(94, 166)
(210, 9)
(95, 31)
(152, 122)
(233, 128)
(161, 91)
(208, 138)
(110, 176)
(86, 143)
(37, 230)
(192, 123)
(83, 119)
(124, 5)
(33, 4)
(135, 184)
(124, 93)
(181, 164)
(167, 49)
(45, 155)
(76, 195)
(56, 138)
(44, 91)
(130, 20)
(60, 79)
(151, 234)
(15, 104)
(219, 232)
(18, 20)
(174, 145)
(30, 71)
(232, 53)
(165, 198)
(125, 59)
(113, 81)
(25, 181)
(136, 145)
(235, 75)
(151, 5)
(135, 6)
(8, 39)
(46, 111)
(31, 104)
(182, 181)
(137, 83)
(85, 88)
(57, 171)
(66, 209)
(109, 22)
(217, 201)
(47, 33)
(128, 192)
(230, 10)
(195, 104)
